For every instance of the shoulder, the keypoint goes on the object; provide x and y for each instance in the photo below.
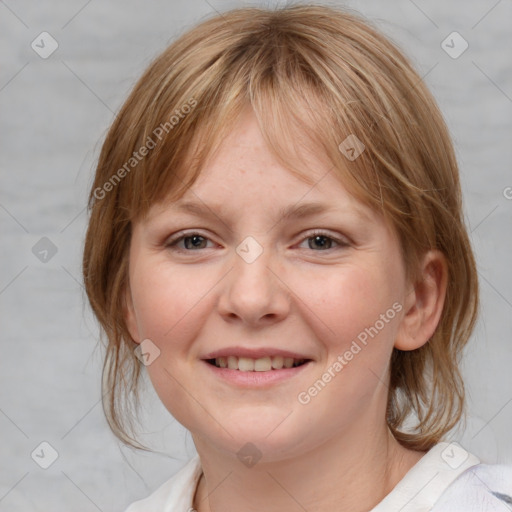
(177, 493)
(482, 488)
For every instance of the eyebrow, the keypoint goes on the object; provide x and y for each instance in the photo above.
(293, 211)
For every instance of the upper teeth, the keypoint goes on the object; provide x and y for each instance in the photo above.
(264, 364)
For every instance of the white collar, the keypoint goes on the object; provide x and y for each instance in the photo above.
(423, 484)
(418, 490)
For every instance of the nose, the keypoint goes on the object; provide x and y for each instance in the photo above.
(254, 291)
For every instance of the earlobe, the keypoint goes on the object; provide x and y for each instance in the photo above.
(129, 315)
(424, 304)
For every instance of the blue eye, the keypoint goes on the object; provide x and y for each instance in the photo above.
(324, 241)
(195, 241)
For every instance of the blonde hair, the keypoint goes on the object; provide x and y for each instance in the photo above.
(313, 75)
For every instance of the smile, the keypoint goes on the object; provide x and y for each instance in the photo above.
(263, 364)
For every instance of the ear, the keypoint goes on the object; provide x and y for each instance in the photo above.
(129, 315)
(424, 303)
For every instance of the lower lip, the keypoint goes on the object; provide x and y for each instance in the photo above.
(256, 379)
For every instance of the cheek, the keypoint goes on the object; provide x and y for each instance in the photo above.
(348, 300)
(163, 298)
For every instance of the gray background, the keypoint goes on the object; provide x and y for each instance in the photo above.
(55, 113)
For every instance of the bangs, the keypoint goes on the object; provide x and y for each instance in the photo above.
(298, 114)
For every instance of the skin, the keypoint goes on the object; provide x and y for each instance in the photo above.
(335, 452)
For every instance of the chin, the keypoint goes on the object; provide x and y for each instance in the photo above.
(270, 439)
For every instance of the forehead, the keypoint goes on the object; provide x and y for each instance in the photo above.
(243, 168)
(232, 193)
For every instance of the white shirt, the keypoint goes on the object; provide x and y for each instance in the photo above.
(445, 479)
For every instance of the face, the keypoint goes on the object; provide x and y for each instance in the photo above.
(241, 279)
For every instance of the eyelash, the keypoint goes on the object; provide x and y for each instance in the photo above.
(171, 244)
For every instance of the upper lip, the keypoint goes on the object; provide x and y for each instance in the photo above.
(253, 353)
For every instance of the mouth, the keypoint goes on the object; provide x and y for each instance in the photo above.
(262, 364)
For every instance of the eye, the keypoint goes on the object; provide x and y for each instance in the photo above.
(323, 240)
(192, 241)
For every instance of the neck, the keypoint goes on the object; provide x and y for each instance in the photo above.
(339, 475)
